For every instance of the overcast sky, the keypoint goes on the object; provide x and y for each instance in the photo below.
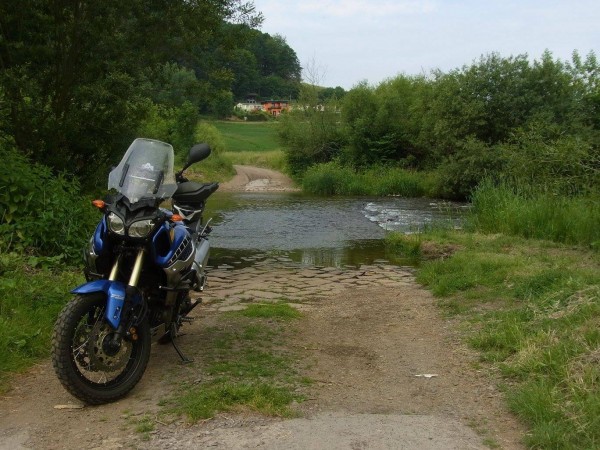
(348, 41)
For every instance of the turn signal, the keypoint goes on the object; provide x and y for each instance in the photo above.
(176, 218)
(99, 204)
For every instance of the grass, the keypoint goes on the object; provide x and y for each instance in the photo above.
(406, 245)
(281, 311)
(249, 136)
(246, 366)
(533, 311)
(32, 292)
(334, 179)
(245, 143)
(540, 215)
(144, 425)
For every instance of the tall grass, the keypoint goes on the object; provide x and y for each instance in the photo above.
(32, 292)
(334, 179)
(533, 214)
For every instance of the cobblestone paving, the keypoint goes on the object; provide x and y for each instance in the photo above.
(271, 280)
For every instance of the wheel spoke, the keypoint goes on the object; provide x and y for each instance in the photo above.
(90, 362)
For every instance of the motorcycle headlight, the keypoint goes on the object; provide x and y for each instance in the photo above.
(115, 223)
(141, 228)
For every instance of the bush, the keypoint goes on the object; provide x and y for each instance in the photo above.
(174, 125)
(557, 164)
(460, 174)
(205, 132)
(311, 133)
(216, 166)
(39, 211)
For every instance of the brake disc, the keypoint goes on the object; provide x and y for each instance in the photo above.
(99, 359)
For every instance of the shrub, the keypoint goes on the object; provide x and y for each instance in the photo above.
(206, 132)
(311, 134)
(40, 211)
(174, 125)
(542, 157)
(473, 161)
(216, 165)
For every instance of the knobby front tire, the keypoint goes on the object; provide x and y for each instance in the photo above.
(84, 364)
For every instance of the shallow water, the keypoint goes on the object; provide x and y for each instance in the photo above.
(250, 227)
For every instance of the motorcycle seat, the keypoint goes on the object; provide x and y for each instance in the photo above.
(192, 193)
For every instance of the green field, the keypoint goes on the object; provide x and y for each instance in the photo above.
(244, 136)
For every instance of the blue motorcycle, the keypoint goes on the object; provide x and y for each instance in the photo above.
(141, 264)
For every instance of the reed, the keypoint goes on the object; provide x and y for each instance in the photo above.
(536, 214)
(335, 179)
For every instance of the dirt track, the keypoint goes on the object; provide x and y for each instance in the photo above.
(249, 178)
(369, 336)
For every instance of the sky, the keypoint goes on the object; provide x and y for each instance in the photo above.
(344, 42)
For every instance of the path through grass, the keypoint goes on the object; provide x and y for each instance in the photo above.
(532, 308)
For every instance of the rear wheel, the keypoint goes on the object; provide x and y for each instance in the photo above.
(87, 361)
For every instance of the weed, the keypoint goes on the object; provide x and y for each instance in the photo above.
(246, 366)
(145, 424)
(30, 300)
(281, 311)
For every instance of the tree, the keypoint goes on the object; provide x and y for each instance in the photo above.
(73, 73)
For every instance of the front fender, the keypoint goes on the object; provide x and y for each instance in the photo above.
(115, 294)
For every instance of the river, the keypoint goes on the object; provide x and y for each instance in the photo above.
(321, 231)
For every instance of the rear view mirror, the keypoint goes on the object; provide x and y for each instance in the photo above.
(197, 153)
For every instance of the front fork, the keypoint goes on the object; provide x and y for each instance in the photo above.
(131, 292)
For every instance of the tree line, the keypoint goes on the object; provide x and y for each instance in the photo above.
(529, 122)
(79, 80)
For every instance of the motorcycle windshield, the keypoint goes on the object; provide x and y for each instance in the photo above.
(146, 171)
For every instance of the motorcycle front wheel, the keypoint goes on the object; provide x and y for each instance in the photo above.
(86, 361)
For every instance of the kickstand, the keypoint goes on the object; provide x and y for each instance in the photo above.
(173, 333)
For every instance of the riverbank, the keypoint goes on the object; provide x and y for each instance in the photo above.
(531, 309)
(258, 179)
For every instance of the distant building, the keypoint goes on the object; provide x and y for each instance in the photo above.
(275, 107)
(249, 105)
